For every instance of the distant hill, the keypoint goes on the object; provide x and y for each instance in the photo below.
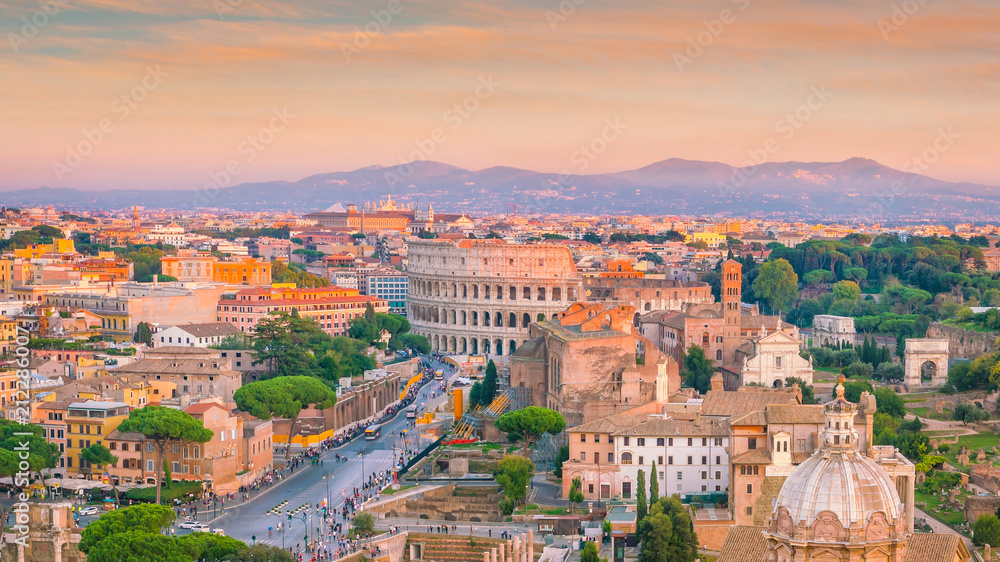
(855, 188)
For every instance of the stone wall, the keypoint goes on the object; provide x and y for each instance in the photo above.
(52, 536)
(964, 344)
(980, 505)
(443, 504)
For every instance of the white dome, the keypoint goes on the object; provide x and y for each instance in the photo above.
(846, 483)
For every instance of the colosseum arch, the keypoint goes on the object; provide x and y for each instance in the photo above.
(465, 291)
(463, 345)
(475, 318)
(486, 346)
(513, 293)
(556, 293)
(512, 321)
(525, 320)
(486, 319)
(541, 293)
(498, 346)
(486, 292)
(511, 348)
(464, 319)
(454, 317)
(499, 292)
(527, 293)
(475, 346)
(499, 320)
(475, 291)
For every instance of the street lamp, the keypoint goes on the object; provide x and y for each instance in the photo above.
(329, 502)
(362, 455)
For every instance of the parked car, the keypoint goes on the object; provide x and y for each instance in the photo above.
(191, 524)
(91, 510)
(219, 532)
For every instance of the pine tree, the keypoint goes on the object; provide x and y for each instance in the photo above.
(654, 486)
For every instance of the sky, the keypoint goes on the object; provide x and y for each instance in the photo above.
(157, 94)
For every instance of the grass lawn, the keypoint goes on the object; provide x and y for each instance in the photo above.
(975, 442)
(946, 516)
(167, 495)
(402, 488)
(967, 325)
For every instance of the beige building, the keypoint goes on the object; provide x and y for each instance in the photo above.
(479, 296)
(771, 359)
(833, 330)
(198, 372)
(590, 362)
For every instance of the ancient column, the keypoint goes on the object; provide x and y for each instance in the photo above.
(517, 549)
(524, 547)
(531, 545)
(493, 556)
(503, 551)
(486, 557)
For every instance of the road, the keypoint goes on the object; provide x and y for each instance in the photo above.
(307, 486)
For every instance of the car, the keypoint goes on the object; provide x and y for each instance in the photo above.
(191, 524)
(200, 528)
(89, 511)
(219, 532)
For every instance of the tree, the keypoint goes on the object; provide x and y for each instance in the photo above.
(776, 283)
(131, 545)
(589, 552)
(853, 390)
(512, 474)
(846, 290)
(986, 530)
(260, 553)
(143, 334)
(967, 413)
(654, 485)
(667, 533)
(808, 396)
(529, 424)
(160, 424)
(592, 238)
(209, 547)
(416, 342)
(142, 518)
(698, 369)
(640, 497)
(237, 341)
(561, 457)
(99, 456)
(476, 394)
(47, 231)
(282, 342)
(575, 492)
(284, 397)
(40, 454)
(490, 383)
(888, 402)
(364, 523)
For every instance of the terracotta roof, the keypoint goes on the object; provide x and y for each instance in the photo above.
(176, 366)
(753, 418)
(209, 329)
(756, 456)
(202, 407)
(754, 322)
(795, 413)
(672, 427)
(722, 403)
(607, 424)
(934, 547)
(744, 543)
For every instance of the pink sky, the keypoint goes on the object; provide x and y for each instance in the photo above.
(557, 80)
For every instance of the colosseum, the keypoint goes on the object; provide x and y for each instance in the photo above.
(479, 296)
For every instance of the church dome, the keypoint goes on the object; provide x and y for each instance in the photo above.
(838, 489)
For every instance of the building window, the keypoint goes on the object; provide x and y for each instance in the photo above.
(777, 362)
(625, 442)
(640, 442)
(743, 470)
(690, 442)
(626, 458)
(718, 475)
(659, 441)
(640, 460)
(749, 488)
(690, 459)
(752, 443)
(590, 488)
(680, 475)
(704, 459)
(583, 456)
(749, 510)
(704, 476)
(670, 460)
(718, 442)
(583, 438)
(659, 459)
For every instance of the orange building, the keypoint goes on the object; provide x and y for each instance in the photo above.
(247, 271)
(621, 269)
(332, 307)
(189, 265)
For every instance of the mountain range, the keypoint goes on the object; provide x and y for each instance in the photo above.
(856, 188)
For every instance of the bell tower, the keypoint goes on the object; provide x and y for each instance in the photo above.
(732, 290)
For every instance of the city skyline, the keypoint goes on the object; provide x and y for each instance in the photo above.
(294, 89)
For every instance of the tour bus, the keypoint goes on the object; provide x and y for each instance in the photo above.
(439, 375)
(373, 432)
(411, 411)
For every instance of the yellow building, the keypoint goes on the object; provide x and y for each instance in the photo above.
(6, 275)
(8, 332)
(713, 239)
(189, 265)
(58, 246)
(88, 423)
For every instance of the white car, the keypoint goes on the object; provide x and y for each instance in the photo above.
(191, 524)
(219, 532)
(89, 511)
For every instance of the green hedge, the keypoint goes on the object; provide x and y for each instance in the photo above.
(177, 490)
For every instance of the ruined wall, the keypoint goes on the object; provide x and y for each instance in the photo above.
(964, 344)
(980, 505)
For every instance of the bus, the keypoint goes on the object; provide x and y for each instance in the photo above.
(411, 411)
(439, 375)
(373, 432)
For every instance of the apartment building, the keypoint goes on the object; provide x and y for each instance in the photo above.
(332, 307)
(89, 422)
(391, 285)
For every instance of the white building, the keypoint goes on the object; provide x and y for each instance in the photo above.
(690, 456)
(772, 358)
(831, 330)
(194, 335)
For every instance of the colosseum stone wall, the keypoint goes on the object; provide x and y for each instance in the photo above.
(479, 296)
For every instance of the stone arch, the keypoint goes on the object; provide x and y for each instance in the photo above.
(453, 345)
(512, 320)
(486, 318)
(475, 346)
(525, 320)
(499, 292)
(475, 291)
(919, 356)
(511, 347)
(571, 293)
(475, 318)
(498, 346)
(556, 293)
(486, 346)
(541, 293)
(454, 318)
(527, 293)
(499, 320)
(463, 345)
(486, 291)
(513, 293)
(647, 307)
(465, 291)
(464, 319)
